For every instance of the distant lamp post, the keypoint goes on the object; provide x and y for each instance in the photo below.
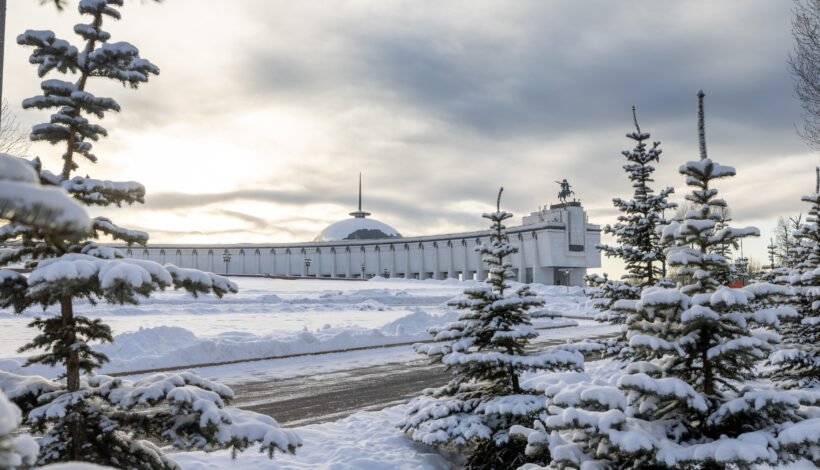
(226, 257)
(307, 266)
(565, 273)
(386, 273)
(363, 268)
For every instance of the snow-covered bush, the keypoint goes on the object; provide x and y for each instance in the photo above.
(687, 399)
(485, 352)
(87, 417)
(16, 451)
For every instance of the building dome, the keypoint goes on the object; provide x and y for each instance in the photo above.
(357, 228)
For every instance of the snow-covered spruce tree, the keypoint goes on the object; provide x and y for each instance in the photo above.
(768, 272)
(485, 350)
(637, 241)
(797, 364)
(687, 399)
(24, 201)
(90, 417)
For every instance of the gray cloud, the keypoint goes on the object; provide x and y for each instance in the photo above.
(384, 208)
(439, 105)
(257, 222)
(544, 69)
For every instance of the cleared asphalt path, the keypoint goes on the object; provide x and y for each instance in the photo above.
(324, 397)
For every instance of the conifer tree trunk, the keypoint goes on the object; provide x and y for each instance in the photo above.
(708, 379)
(75, 420)
(2, 48)
(73, 362)
(515, 385)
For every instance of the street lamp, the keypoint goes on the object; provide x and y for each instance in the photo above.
(226, 257)
(565, 273)
(363, 266)
(307, 266)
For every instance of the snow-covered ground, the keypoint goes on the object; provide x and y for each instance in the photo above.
(277, 317)
(268, 317)
(364, 441)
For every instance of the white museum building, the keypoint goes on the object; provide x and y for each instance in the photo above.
(556, 246)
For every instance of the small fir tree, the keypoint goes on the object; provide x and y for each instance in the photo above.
(637, 242)
(797, 365)
(769, 272)
(95, 418)
(485, 350)
(687, 399)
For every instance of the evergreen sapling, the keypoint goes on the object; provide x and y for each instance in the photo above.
(636, 236)
(485, 350)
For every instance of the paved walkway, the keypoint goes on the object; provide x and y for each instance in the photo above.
(331, 396)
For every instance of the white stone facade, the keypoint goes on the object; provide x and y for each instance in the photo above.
(556, 246)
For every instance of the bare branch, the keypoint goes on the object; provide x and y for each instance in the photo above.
(13, 140)
(804, 63)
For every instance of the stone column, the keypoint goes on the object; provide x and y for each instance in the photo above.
(406, 261)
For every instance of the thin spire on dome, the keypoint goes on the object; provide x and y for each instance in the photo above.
(360, 214)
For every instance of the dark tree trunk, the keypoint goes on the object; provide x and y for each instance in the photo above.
(708, 379)
(75, 418)
(73, 360)
(2, 49)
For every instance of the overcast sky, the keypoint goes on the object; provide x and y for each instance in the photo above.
(265, 111)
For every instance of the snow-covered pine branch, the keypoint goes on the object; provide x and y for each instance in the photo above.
(103, 192)
(24, 202)
(182, 409)
(129, 236)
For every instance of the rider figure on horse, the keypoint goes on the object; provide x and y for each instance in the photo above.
(565, 191)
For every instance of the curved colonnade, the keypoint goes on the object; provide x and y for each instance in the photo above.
(550, 252)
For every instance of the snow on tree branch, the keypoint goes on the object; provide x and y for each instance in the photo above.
(23, 201)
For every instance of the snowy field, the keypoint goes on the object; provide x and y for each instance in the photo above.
(278, 317)
(268, 317)
(271, 317)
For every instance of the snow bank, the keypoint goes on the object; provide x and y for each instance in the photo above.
(165, 346)
(268, 318)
